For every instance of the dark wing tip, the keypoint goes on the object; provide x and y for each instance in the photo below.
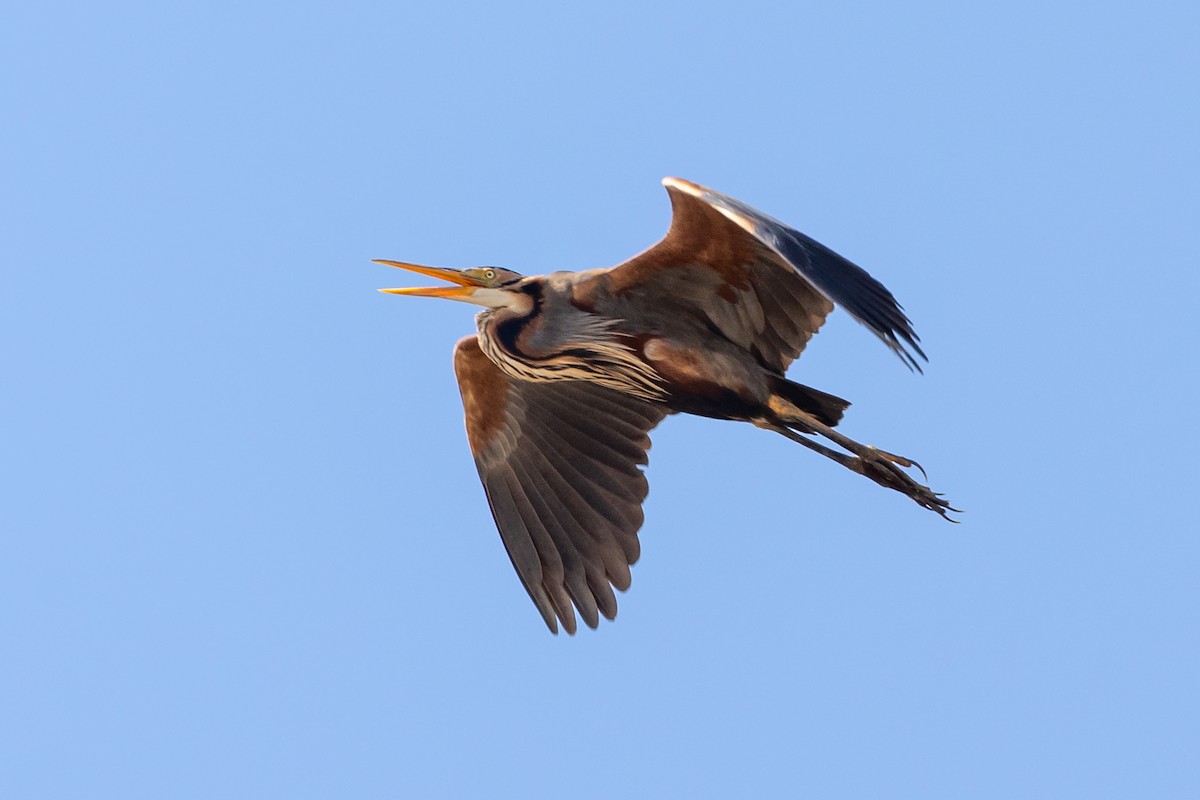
(849, 286)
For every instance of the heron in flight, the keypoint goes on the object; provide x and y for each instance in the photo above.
(568, 373)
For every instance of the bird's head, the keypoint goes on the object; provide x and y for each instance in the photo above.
(492, 287)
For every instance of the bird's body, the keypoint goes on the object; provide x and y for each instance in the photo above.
(570, 371)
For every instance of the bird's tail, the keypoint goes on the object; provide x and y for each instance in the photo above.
(825, 407)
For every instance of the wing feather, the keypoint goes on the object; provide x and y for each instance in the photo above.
(521, 550)
(573, 555)
(594, 487)
(560, 465)
(616, 546)
(761, 284)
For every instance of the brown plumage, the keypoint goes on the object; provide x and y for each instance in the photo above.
(569, 372)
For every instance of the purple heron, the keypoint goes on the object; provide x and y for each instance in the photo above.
(568, 373)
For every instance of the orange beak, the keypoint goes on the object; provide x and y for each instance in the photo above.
(465, 285)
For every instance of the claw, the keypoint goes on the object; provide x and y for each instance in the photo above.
(903, 461)
(885, 472)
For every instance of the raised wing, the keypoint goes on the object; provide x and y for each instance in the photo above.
(763, 285)
(559, 462)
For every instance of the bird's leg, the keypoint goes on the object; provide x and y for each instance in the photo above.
(878, 465)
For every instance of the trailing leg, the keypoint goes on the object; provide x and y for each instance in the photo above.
(882, 467)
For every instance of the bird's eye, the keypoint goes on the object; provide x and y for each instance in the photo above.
(489, 274)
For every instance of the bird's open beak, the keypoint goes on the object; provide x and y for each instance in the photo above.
(465, 285)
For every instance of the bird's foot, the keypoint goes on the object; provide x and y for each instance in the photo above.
(885, 469)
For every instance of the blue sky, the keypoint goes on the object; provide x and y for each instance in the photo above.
(245, 552)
